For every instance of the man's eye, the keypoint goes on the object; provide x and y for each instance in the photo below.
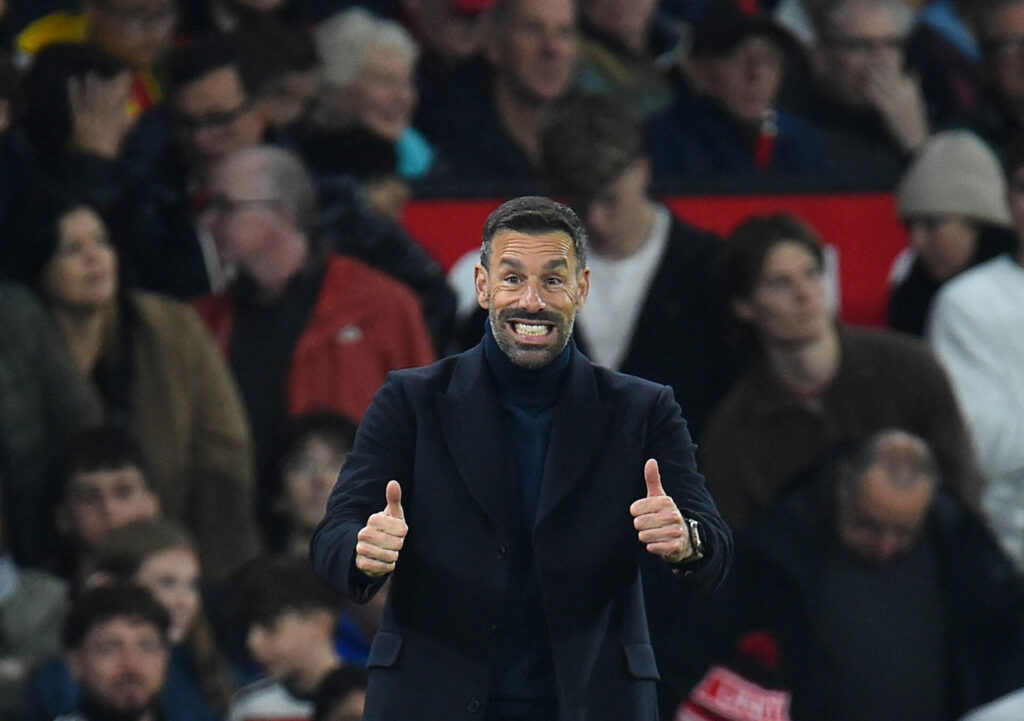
(511, 278)
(555, 281)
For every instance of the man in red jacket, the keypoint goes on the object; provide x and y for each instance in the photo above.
(303, 329)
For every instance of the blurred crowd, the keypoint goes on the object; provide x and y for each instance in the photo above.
(204, 279)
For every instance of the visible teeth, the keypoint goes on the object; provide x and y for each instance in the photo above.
(529, 329)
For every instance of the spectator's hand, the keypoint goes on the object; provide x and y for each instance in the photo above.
(658, 522)
(382, 537)
(99, 114)
(899, 100)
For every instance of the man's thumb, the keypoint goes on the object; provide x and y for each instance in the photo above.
(394, 496)
(653, 478)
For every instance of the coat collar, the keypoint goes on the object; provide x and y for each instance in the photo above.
(473, 429)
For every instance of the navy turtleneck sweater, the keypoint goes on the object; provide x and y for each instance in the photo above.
(524, 683)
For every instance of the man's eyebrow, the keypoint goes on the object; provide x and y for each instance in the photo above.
(550, 265)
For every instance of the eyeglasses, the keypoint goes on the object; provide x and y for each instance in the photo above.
(865, 45)
(223, 206)
(220, 120)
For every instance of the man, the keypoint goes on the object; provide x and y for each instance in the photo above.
(115, 638)
(289, 620)
(973, 330)
(868, 110)
(302, 328)
(486, 120)
(726, 120)
(869, 575)
(102, 486)
(653, 309)
(513, 559)
(814, 382)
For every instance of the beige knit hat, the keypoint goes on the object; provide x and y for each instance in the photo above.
(954, 173)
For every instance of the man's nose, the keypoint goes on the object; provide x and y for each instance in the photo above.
(531, 299)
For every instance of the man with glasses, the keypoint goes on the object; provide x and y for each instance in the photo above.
(303, 329)
(868, 109)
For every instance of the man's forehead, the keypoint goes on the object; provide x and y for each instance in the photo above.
(219, 87)
(117, 627)
(515, 245)
(885, 501)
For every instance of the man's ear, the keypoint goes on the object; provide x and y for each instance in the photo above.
(482, 291)
(584, 288)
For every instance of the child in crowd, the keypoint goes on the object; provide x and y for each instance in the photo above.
(312, 449)
(289, 620)
(103, 486)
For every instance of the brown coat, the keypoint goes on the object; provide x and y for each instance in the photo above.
(761, 435)
(189, 421)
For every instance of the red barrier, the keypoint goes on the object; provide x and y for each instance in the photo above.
(862, 227)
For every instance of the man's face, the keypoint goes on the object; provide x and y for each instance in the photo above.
(532, 292)
(241, 215)
(868, 42)
(787, 304)
(879, 521)
(534, 50)
(1004, 54)
(617, 214)
(121, 665)
(746, 81)
(134, 30)
(214, 117)
(97, 502)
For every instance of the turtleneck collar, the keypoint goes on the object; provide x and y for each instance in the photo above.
(525, 387)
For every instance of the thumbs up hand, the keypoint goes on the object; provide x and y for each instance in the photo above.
(659, 524)
(382, 537)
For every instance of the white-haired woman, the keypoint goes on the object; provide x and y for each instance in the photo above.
(368, 79)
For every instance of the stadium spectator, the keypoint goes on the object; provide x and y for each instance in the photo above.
(973, 330)
(153, 368)
(814, 382)
(486, 120)
(953, 200)
(726, 121)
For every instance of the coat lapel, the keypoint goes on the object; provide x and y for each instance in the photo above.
(576, 432)
(471, 423)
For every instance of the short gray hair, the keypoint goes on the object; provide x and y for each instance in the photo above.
(345, 40)
(284, 178)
